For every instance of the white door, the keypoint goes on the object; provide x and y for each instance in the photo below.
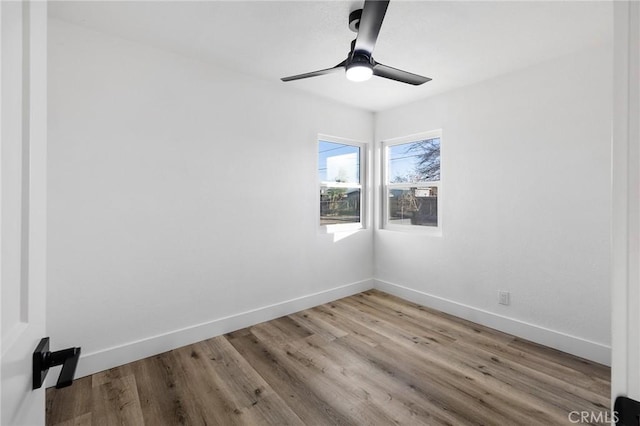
(23, 199)
(625, 373)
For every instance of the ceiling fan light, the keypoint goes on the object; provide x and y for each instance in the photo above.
(359, 72)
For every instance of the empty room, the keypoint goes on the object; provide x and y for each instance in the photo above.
(320, 212)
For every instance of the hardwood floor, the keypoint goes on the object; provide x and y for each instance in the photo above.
(368, 359)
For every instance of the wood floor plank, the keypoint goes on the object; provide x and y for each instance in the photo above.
(238, 378)
(204, 399)
(83, 420)
(587, 375)
(397, 320)
(331, 382)
(586, 367)
(407, 337)
(69, 403)
(449, 324)
(394, 397)
(158, 373)
(297, 390)
(526, 393)
(351, 327)
(318, 326)
(271, 411)
(528, 377)
(438, 383)
(115, 401)
(274, 336)
(371, 358)
(453, 327)
(290, 327)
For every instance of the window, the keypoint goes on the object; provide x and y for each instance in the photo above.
(340, 173)
(411, 185)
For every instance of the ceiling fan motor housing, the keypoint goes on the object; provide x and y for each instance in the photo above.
(359, 59)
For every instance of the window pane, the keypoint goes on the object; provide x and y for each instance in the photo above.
(414, 206)
(414, 162)
(338, 162)
(339, 205)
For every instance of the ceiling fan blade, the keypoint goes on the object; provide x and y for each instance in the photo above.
(315, 73)
(398, 75)
(370, 23)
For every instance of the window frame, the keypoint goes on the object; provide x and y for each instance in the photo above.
(362, 185)
(386, 186)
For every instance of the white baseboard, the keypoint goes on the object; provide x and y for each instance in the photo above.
(104, 359)
(555, 339)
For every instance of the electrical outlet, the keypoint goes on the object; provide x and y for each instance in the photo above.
(503, 297)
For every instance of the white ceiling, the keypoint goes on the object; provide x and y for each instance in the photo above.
(455, 43)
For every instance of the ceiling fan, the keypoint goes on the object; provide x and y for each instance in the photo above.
(360, 65)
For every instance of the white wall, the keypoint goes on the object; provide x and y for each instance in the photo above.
(525, 208)
(181, 199)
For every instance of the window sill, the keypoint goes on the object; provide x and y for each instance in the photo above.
(413, 229)
(336, 229)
